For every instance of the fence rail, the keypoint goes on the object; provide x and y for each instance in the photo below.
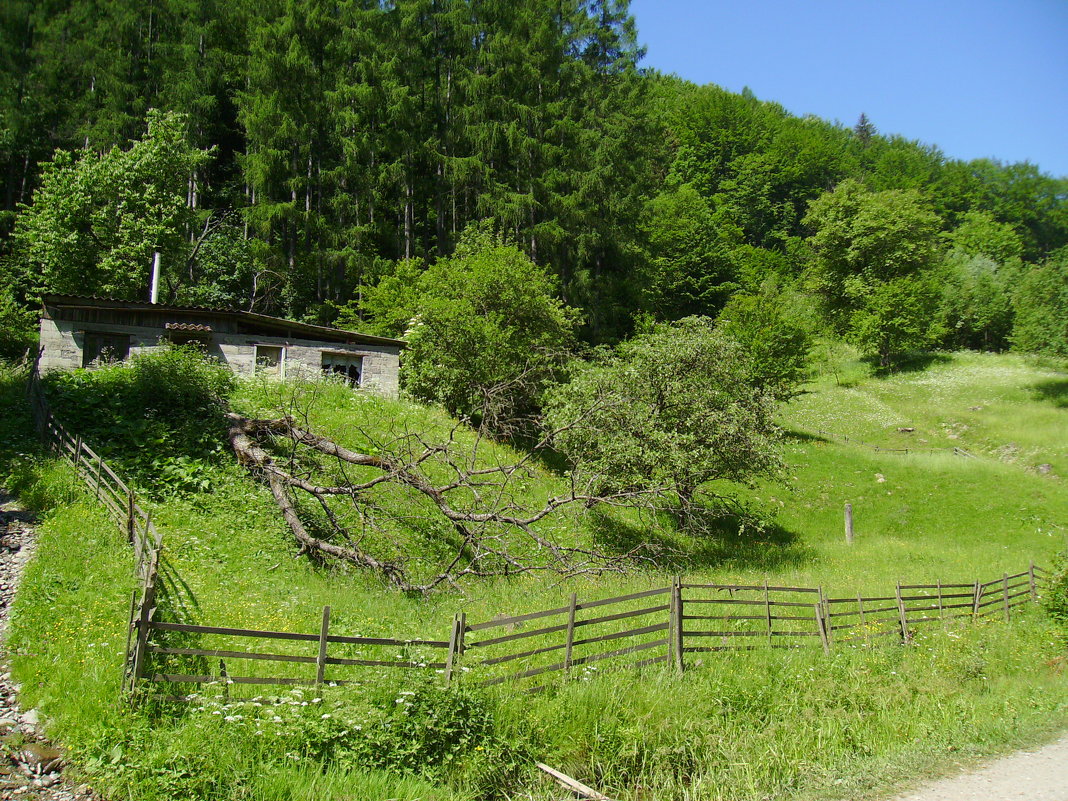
(636, 629)
(660, 625)
(121, 502)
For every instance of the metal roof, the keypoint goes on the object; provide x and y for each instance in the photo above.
(308, 330)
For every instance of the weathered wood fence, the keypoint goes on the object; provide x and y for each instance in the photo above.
(121, 502)
(660, 625)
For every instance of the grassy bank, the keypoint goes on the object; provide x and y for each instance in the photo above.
(747, 725)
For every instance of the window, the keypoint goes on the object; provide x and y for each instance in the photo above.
(102, 348)
(344, 364)
(270, 359)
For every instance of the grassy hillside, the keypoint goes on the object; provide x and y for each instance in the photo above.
(771, 725)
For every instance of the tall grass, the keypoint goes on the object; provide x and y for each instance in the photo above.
(750, 725)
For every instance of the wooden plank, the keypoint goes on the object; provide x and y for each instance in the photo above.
(508, 621)
(740, 587)
(324, 631)
(620, 634)
(592, 621)
(677, 634)
(337, 660)
(634, 596)
(571, 784)
(269, 635)
(215, 653)
(286, 635)
(760, 633)
(745, 602)
(569, 642)
(179, 678)
(454, 647)
(519, 635)
(935, 586)
(581, 660)
(497, 660)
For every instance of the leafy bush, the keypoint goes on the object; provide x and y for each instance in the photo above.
(672, 409)
(160, 416)
(17, 333)
(489, 333)
(1055, 596)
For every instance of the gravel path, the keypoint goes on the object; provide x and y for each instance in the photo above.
(1035, 775)
(29, 766)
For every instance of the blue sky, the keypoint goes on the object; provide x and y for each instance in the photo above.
(977, 78)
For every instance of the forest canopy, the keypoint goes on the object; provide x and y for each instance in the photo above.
(300, 153)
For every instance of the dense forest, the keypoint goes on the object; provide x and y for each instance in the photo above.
(308, 157)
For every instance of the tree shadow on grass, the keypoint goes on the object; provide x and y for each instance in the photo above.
(1054, 391)
(802, 436)
(726, 540)
(911, 363)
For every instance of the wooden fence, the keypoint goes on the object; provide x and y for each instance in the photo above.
(660, 625)
(121, 502)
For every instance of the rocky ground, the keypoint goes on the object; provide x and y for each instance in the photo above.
(30, 767)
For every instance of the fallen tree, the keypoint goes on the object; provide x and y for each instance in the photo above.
(486, 508)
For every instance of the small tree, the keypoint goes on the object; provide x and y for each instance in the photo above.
(874, 256)
(769, 326)
(96, 219)
(1041, 304)
(488, 335)
(669, 410)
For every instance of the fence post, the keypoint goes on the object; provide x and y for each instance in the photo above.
(131, 525)
(860, 613)
(941, 610)
(821, 626)
(320, 662)
(849, 523)
(144, 621)
(902, 615)
(570, 642)
(825, 610)
(456, 645)
(77, 451)
(1031, 578)
(1005, 594)
(978, 596)
(767, 611)
(127, 665)
(676, 632)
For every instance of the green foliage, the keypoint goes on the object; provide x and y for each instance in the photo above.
(388, 307)
(874, 256)
(489, 333)
(897, 318)
(674, 409)
(771, 327)
(96, 219)
(160, 416)
(969, 690)
(18, 333)
(976, 302)
(690, 270)
(979, 234)
(1055, 591)
(1041, 305)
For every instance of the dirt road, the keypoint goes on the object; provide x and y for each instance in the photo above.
(1035, 775)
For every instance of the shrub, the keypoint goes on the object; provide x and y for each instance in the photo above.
(160, 416)
(1055, 596)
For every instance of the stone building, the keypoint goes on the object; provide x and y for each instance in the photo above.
(82, 331)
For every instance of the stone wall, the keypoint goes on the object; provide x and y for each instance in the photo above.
(62, 342)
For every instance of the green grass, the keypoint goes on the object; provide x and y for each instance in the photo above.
(750, 725)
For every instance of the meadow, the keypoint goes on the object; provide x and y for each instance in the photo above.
(737, 725)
